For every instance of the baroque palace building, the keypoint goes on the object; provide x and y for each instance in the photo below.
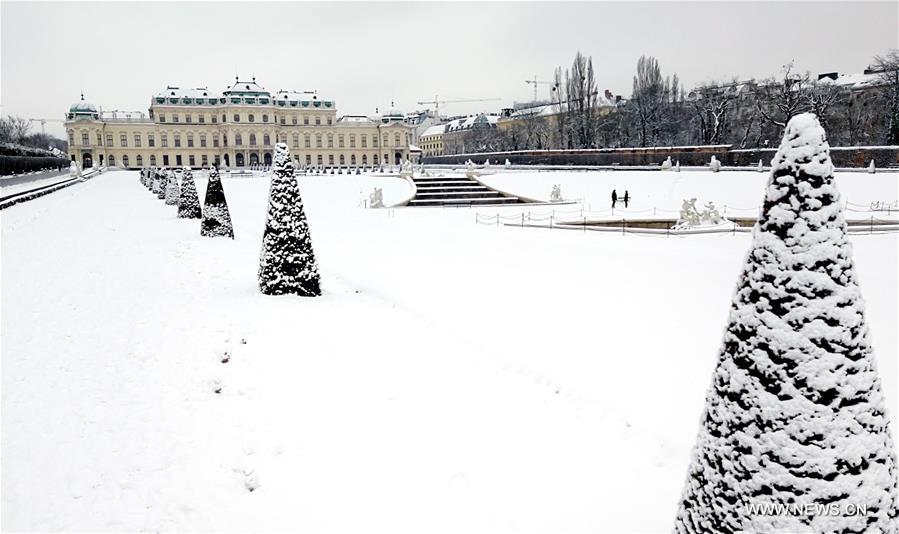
(237, 128)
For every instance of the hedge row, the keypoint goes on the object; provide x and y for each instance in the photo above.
(20, 164)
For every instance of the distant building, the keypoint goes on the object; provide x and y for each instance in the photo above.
(237, 128)
(462, 135)
(431, 140)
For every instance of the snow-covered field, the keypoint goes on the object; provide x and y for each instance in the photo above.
(454, 377)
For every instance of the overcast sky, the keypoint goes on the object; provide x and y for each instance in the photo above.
(363, 55)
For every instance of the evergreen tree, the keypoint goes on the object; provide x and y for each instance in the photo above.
(216, 220)
(163, 184)
(795, 414)
(156, 186)
(287, 263)
(172, 191)
(189, 203)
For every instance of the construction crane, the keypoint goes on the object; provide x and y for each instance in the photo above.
(437, 102)
(535, 82)
(45, 121)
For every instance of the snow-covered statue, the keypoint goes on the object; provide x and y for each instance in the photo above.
(406, 170)
(666, 165)
(487, 162)
(677, 166)
(508, 163)
(761, 167)
(689, 217)
(470, 171)
(710, 214)
(376, 199)
(714, 164)
(871, 168)
(556, 194)
(74, 170)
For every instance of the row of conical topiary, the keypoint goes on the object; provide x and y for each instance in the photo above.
(287, 263)
(795, 433)
(214, 215)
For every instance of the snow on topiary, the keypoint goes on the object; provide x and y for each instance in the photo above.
(287, 263)
(156, 185)
(172, 191)
(795, 416)
(163, 184)
(189, 203)
(216, 221)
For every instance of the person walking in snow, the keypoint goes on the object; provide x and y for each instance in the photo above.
(614, 198)
(627, 198)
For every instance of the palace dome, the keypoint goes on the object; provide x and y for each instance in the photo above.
(82, 107)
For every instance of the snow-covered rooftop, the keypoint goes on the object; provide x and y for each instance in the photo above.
(852, 81)
(467, 123)
(187, 92)
(437, 129)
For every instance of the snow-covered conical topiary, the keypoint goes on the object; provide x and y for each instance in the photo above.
(164, 184)
(216, 220)
(172, 191)
(795, 415)
(287, 263)
(189, 203)
(158, 182)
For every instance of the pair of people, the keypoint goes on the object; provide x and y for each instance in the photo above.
(626, 198)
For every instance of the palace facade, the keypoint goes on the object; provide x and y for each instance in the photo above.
(237, 128)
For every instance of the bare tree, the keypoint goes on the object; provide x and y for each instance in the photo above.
(712, 103)
(779, 101)
(887, 68)
(649, 96)
(581, 92)
(820, 97)
(14, 129)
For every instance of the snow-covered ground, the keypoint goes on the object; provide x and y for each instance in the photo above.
(454, 377)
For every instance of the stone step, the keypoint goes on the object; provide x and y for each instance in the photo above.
(460, 195)
(446, 182)
(488, 201)
(451, 189)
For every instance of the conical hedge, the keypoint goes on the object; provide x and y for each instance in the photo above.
(189, 203)
(172, 190)
(216, 220)
(795, 435)
(287, 263)
(163, 184)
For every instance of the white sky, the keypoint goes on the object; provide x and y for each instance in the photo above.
(363, 55)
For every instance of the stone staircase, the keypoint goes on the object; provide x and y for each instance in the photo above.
(456, 191)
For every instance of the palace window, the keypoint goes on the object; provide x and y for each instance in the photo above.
(224, 118)
(330, 140)
(364, 159)
(225, 140)
(342, 160)
(202, 118)
(293, 120)
(137, 140)
(202, 140)
(352, 141)
(251, 118)
(151, 140)
(190, 140)
(71, 137)
(396, 139)
(330, 159)
(191, 161)
(296, 140)
(215, 118)
(252, 139)
(99, 139)
(318, 121)
(204, 160)
(264, 117)
(187, 118)
(125, 160)
(178, 160)
(177, 138)
(162, 117)
(307, 141)
(236, 117)
(123, 139)
(374, 159)
(340, 140)
(165, 160)
(318, 159)
(283, 120)
(386, 140)
(164, 140)
(364, 139)
(153, 160)
(329, 121)
(374, 140)
(308, 159)
(305, 119)
(175, 117)
(238, 140)
(140, 160)
(352, 159)
(111, 162)
(318, 140)
(215, 140)
(266, 140)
